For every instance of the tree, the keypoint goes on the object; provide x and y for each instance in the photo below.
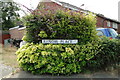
(9, 14)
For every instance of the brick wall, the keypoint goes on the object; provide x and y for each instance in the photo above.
(21, 33)
(118, 28)
(14, 33)
(51, 7)
(45, 7)
(17, 33)
(102, 22)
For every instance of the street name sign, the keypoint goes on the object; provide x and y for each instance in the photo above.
(59, 41)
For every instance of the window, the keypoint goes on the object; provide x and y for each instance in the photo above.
(115, 25)
(113, 33)
(100, 33)
(108, 23)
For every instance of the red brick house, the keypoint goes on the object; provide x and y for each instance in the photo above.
(105, 22)
(53, 5)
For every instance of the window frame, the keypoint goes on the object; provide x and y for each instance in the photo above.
(108, 24)
(115, 25)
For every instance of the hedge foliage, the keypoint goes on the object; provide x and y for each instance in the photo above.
(61, 25)
(68, 59)
(89, 53)
(108, 55)
(55, 59)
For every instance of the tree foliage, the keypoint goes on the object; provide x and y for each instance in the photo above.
(9, 14)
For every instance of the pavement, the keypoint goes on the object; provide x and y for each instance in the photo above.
(23, 74)
(9, 72)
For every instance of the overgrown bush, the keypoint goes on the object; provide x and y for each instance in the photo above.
(61, 25)
(55, 59)
(107, 56)
(58, 58)
(88, 53)
(68, 59)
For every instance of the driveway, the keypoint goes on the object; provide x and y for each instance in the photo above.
(5, 70)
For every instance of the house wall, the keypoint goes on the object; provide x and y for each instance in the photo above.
(99, 22)
(14, 33)
(21, 33)
(118, 30)
(17, 33)
(48, 7)
(102, 22)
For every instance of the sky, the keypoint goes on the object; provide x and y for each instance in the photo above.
(109, 8)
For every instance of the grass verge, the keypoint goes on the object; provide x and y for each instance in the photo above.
(8, 56)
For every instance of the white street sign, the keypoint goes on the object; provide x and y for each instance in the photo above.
(59, 41)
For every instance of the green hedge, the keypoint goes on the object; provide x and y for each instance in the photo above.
(61, 25)
(89, 53)
(55, 59)
(108, 55)
(69, 59)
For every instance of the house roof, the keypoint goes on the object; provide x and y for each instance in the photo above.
(70, 6)
(20, 26)
(67, 5)
(14, 27)
(102, 16)
(75, 8)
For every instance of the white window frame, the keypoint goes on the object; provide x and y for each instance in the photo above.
(108, 24)
(115, 25)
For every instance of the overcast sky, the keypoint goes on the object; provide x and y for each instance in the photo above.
(108, 8)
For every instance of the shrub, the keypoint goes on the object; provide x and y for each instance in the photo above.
(55, 59)
(107, 56)
(68, 59)
(90, 52)
(61, 25)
